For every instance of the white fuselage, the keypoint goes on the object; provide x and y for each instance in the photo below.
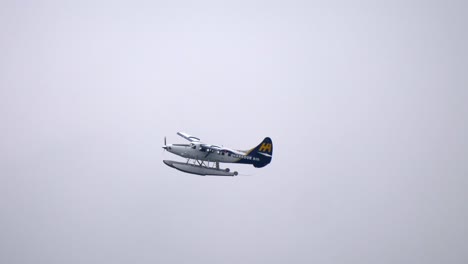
(210, 153)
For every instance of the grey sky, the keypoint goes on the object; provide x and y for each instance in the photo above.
(366, 104)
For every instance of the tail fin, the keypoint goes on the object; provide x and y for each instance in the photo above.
(262, 153)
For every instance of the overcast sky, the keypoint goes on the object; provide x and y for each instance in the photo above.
(366, 104)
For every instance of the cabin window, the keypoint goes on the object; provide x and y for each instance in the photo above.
(229, 154)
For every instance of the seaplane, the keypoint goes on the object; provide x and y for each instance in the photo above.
(204, 159)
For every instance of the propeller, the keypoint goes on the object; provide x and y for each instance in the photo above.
(165, 145)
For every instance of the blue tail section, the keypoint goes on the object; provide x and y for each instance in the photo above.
(262, 154)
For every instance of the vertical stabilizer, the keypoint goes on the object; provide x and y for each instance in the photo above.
(263, 153)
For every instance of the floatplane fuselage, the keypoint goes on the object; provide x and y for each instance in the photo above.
(199, 156)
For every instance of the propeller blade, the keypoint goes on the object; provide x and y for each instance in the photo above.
(165, 145)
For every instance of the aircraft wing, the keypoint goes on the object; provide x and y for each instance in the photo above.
(188, 137)
(212, 147)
